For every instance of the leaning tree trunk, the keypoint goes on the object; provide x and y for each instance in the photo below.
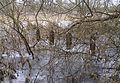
(16, 27)
(26, 44)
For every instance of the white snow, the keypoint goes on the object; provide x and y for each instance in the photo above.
(64, 24)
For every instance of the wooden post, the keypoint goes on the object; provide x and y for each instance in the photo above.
(51, 37)
(38, 35)
(92, 45)
(68, 40)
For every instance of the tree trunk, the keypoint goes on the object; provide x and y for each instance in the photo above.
(17, 29)
(26, 44)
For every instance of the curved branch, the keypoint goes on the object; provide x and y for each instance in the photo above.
(38, 12)
(88, 8)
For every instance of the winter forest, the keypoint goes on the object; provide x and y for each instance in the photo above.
(59, 41)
